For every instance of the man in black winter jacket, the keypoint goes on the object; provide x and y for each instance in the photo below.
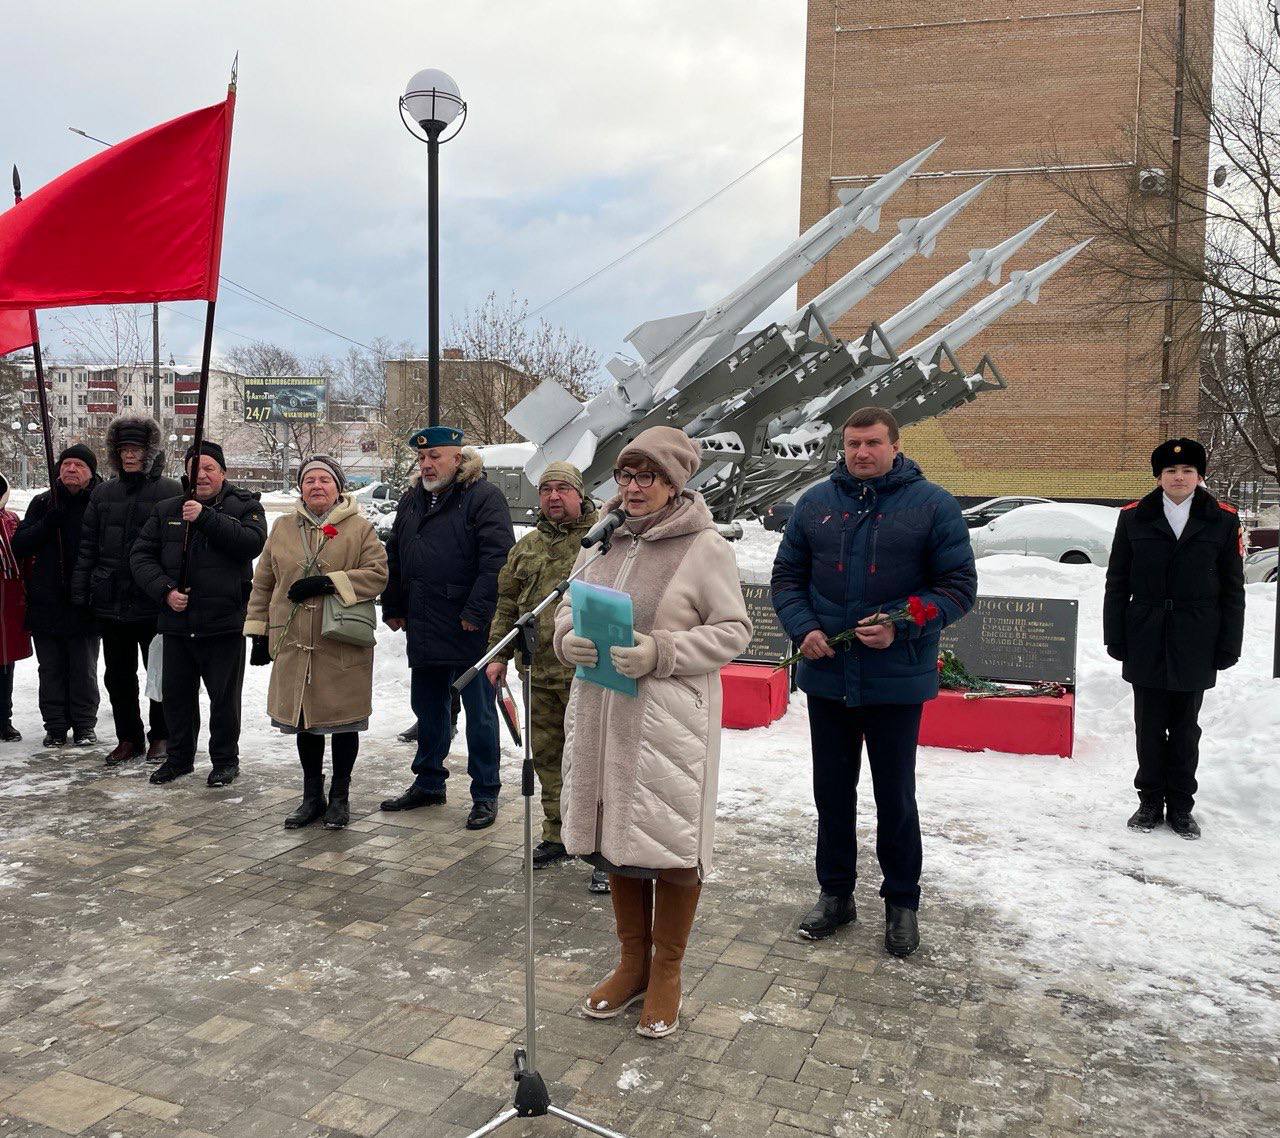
(202, 623)
(450, 540)
(103, 581)
(65, 637)
(1174, 614)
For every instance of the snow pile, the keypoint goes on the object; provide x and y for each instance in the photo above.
(1183, 931)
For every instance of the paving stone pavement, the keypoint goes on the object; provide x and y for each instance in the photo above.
(176, 963)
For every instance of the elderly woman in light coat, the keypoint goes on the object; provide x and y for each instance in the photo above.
(319, 686)
(640, 773)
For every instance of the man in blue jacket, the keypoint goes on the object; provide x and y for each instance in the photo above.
(449, 541)
(858, 545)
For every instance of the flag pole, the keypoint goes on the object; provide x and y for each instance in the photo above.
(197, 438)
(42, 400)
(41, 397)
(202, 396)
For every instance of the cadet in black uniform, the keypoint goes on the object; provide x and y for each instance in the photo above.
(1174, 614)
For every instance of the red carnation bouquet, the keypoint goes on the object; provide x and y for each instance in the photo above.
(915, 611)
(328, 532)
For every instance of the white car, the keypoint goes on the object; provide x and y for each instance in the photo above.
(1260, 566)
(1075, 532)
(993, 508)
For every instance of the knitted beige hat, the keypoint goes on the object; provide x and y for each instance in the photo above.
(562, 472)
(671, 451)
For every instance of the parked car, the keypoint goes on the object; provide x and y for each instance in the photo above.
(776, 516)
(1261, 566)
(993, 508)
(1263, 537)
(295, 399)
(1074, 532)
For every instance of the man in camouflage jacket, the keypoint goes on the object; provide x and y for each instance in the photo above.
(537, 563)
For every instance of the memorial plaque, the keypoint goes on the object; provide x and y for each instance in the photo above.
(769, 643)
(1017, 639)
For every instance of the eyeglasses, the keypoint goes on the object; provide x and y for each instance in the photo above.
(643, 478)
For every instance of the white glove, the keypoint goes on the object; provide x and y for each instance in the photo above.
(638, 661)
(579, 650)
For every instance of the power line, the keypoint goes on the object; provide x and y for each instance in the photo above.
(666, 228)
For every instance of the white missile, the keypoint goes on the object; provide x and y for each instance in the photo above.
(1024, 285)
(916, 235)
(982, 265)
(676, 348)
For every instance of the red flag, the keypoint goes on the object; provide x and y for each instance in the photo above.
(142, 221)
(17, 330)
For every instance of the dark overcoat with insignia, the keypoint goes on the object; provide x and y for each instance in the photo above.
(1174, 606)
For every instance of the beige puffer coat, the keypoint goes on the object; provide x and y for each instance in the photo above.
(641, 773)
(329, 683)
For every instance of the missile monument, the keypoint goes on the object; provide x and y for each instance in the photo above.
(768, 404)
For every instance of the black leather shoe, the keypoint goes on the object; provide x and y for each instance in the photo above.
(54, 739)
(309, 809)
(122, 752)
(86, 738)
(483, 814)
(901, 930)
(338, 814)
(1184, 826)
(548, 853)
(222, 776)
(9, 733)
(599, 882)
(167, 773)
(409, 734)
(412, 798)
(830, 913)
(1147, 817)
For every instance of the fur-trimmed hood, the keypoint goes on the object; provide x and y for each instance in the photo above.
(153, 455)
(471, 470)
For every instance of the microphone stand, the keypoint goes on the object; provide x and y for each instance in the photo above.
(532, 1099)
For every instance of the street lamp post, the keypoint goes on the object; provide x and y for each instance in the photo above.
(433, 103)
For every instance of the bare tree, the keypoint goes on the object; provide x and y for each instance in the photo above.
(503, 356)
(20, 448)
(1205, 251)
(114, 334)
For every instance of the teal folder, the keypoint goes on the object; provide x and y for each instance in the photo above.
(603, 616)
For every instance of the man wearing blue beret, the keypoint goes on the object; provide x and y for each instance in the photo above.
(448, 543)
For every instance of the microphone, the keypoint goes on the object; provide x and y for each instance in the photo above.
(603, 529)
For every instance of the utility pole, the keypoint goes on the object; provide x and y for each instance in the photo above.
(155, 362)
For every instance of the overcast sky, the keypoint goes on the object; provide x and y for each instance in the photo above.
(591, 125)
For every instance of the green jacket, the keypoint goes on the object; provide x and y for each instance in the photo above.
(537, 563)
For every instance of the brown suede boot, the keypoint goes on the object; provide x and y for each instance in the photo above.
(633, 913)
(673, 910)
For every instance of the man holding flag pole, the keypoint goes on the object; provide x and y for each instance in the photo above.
(140, 222)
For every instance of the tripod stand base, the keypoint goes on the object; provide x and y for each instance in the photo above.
(533, 1101)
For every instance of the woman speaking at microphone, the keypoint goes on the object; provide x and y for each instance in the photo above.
(640, 772)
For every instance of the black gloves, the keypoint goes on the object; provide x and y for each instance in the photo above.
(306, 587)
(261, 653)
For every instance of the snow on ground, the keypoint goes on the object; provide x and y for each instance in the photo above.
(1184, 931)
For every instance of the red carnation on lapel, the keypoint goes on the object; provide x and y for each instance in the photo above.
(329, 530)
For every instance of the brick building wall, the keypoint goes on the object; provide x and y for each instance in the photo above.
(1013, 85)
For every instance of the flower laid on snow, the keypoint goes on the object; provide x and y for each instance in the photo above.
(915, 611)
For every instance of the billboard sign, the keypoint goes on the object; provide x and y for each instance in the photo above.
(284, 398)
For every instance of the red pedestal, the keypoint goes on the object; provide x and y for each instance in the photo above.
(1036, 725)
(754, 695)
